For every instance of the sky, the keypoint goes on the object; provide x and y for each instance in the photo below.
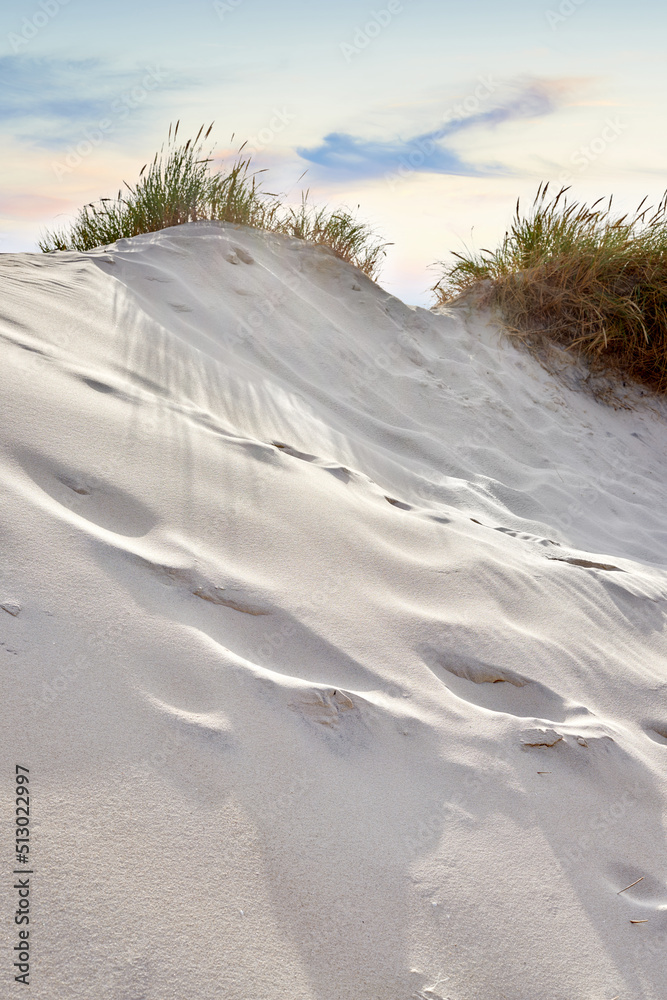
(429, 118)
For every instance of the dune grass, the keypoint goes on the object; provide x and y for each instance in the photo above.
(581, 277)
(179, 186)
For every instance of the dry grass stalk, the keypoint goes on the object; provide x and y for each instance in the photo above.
(630, 886)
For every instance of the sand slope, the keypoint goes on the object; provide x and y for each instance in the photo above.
(312, 587)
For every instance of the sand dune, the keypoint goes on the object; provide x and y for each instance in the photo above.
(333, 638)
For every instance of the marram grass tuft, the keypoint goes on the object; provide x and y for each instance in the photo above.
(179, 186)
(582, 278)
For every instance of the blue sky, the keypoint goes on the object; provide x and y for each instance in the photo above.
(432, 116)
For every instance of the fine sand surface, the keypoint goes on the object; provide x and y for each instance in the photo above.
(335, 645)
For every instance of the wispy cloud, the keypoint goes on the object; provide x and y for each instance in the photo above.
(344, 156)
(349, 157)
(48, 101)
(49, 89)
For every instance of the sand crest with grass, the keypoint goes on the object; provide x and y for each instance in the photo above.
(333, 635)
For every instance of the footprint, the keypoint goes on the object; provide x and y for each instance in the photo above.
(656, 731)
(438, 518)
(339, 472)
(180, 307)
(326, 708)
(498, 689)
(304, 456)
(572, 560)
(540, 738)
(198, 586)
(216, 595)
(97, 386)
(237, 254)
(477, 671)
(75, 485)
(91, 498)
(586, 563)
(523, 536)
(399, 503)
(103, 387)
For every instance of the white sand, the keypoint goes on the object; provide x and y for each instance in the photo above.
(283, 735)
